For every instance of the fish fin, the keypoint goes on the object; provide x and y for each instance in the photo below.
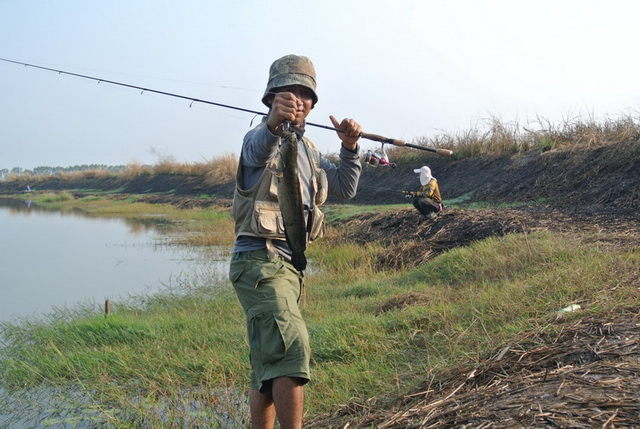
(299, 261)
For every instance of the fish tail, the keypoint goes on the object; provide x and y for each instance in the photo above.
(299, 261)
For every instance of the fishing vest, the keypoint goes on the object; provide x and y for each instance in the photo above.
(256, 210)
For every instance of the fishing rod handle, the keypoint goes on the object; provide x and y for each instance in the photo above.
(444, 152)
(382, 139)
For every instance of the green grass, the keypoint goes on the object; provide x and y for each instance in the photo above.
(52, 197)
(458, 201)
(372, 333)
(467, 301)
(338, 212)
(486, 205)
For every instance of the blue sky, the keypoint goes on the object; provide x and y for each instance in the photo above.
(402, 68)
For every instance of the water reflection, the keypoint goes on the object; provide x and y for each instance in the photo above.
(52, 258)
(27, 208)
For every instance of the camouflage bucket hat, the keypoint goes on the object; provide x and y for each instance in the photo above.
(291, 70)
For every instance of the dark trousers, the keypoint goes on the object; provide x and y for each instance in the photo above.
(426, 205)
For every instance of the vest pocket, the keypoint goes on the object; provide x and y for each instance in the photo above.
(322, 185)
(267, 220)
(317, 223)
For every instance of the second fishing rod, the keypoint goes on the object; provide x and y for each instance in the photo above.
(368, 136)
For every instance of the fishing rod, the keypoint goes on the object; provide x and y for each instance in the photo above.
(387, 140)
(368, 136)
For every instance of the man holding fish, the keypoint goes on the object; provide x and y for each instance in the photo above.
(282, 181)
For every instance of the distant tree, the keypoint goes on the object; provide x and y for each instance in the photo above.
(45, 170)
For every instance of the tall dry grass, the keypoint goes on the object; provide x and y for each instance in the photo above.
(590, 132)
(493, 136)
(497, 137)
(215, 171)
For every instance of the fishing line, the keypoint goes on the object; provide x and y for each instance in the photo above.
(140, 88)
(369, 136)
(166, 79)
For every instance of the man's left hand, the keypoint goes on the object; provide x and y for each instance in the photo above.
(352, 131)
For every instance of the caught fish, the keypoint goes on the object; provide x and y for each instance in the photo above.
(290, 201)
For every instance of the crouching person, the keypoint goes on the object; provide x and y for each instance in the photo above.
(427, 199)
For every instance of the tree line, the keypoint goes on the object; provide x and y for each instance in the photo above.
(52, 171)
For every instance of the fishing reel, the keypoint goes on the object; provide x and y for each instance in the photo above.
(378, 157)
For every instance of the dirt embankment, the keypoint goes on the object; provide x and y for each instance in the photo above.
(602, 176)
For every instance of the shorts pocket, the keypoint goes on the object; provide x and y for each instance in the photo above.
(268, 343)
(255, 270)
(274, 331)
(236, 268)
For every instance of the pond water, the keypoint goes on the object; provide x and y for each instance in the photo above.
(52, 259)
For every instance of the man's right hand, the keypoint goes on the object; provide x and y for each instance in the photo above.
(283, 108)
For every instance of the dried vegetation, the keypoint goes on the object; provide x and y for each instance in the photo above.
(572, 374)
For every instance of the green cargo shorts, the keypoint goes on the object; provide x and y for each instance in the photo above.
(269, 290)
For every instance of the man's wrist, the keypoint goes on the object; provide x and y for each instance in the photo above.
(275, 131)
(355, 148)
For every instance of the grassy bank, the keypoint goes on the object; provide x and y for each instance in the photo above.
(180, 357)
